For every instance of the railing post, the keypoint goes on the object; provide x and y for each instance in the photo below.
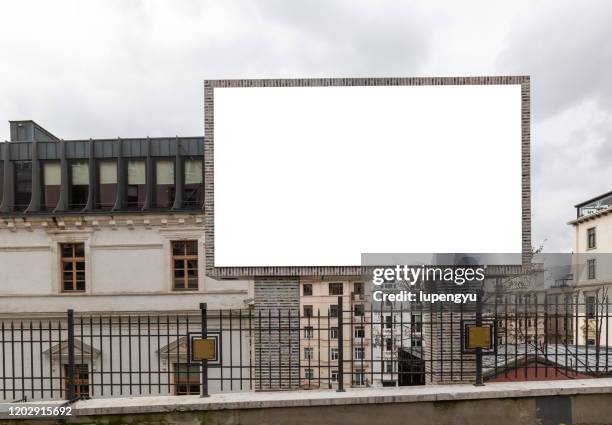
(478, 382)
(204, 377)
(340, 346)
(71, 365)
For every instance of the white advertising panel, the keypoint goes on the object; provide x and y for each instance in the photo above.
(316, 176)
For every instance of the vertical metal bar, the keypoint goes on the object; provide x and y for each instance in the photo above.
(51, 345)
(479, 350)
(149, 352)
(130, 352)
(139, 336)
(120, 356)
(269, 353)
(259, 365)
(13, 358)
(91, 353)
(31, 359)
(40, 354)
(290, 352)
(220, 345)
(340, 345)
(231, 357)
(21, 360)
(280, 361)
(240, 345)
(71, 366)
(101, 337)
(3, 363)
(204, 335)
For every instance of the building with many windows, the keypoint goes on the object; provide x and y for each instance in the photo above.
(111, 226)
(319, 339)
(592, 269)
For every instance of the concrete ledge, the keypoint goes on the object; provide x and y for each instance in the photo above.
(365, 396)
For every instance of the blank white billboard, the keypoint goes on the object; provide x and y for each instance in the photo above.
(316, 176)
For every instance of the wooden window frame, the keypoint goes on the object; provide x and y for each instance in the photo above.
(336, 288)
(192, 379)
(74, 260)
(591, 238)
(184, 258)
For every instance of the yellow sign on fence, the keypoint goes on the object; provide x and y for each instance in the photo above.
(479, 337)
(203, 349)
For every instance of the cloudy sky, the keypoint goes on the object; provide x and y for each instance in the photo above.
(134, 68)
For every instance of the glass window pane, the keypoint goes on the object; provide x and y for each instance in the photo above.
(136, 172)
(108, 172)
(80, 173)
(192, 247)
(164, 172)
(52, 174)
(193, 171)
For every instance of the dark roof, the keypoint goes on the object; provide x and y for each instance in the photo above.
(597, 198)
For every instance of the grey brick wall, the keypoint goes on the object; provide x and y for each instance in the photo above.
(316, 271)
(276, 351)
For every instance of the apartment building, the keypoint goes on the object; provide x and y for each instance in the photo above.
(111, 227)
(320, 332)
(592, 268)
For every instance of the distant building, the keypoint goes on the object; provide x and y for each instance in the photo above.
(319, 339)
(592, 269)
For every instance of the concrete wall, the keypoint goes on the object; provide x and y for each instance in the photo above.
(577, 402)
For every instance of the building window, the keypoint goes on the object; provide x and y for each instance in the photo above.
(309, 374)
(307, 289)
(333, 333)
(590, 307)
(51, 183)
(359, 377)
(388, 322)
(79, 184)
(389, 366)
(359, 332)
(308, 353)
(335, 288)
(359, 353)
(358, 288)
(308, 332)
(164, 183)
(136, 184)
(73, 267)
(107, 189)
(307, 311)
(23, 184)
(192, 186)
(333, 310)
(416, 320)
(388, 344)
(333, 353)
(185, 264)
(415, 342)
(81, 380)
(334, 376)
(186, 378)
(591, 238)
(359, 310)
(591, 269)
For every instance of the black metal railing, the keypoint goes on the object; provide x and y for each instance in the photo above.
(81, 355)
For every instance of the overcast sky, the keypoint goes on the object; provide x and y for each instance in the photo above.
(135, 68)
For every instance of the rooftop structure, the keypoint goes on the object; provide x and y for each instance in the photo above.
(42, 174)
